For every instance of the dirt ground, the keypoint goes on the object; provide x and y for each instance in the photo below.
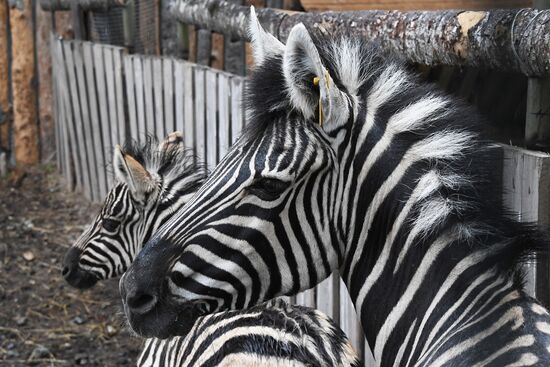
(43, 321)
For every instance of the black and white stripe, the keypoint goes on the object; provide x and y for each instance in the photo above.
(396, 190)
(272, 334)
(153, 181)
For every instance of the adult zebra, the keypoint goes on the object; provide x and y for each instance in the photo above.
(272, 334)
(389, 182)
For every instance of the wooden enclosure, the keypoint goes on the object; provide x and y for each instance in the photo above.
(314, 5)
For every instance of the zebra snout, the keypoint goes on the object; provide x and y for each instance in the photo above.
(138, 298)
(74, 274)
(141, 303)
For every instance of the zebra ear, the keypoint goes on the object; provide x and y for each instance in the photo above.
(172, 140)
(304, 73)
(264, 45)
(132, 173)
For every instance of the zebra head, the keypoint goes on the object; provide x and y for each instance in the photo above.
(263, 224)
(152, 182)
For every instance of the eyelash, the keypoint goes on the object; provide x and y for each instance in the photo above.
(267, 188)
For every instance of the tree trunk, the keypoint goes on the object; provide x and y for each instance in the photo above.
(45, 92)
(55, 5)
(5, 113)
(459, 38)
(24, 84)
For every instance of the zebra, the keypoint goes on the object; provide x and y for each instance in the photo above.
(350, 162)
(153, 182)
(273, 333)
(270, 334)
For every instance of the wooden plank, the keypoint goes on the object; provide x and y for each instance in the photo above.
(64, 107)
(158, 97)
(306, 298)
(140, 96)
(86, 123)
(148, 93)
(189, 107)
(103, 105)
(327, 294)
(76, 123)
(119, 94)
(168, 85)
(349, 321)
(100, 158)
(200, 121)
(131, 96)
(217, 51)
(237, 116)
(341, 5)
(224, 123)
(111, 98)
(179, 82)
(211, 118)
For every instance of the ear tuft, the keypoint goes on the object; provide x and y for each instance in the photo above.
(129, 171)
(264, 45)
(172, 140)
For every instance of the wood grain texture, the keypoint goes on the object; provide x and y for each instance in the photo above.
(25, 117)
(5, 109)
(339, 5)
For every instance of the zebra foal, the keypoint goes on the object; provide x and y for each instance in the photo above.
(271, 334)
(349, 162)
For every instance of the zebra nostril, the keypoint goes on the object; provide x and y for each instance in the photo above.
(141, 303)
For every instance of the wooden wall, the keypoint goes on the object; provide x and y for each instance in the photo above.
(314, 5)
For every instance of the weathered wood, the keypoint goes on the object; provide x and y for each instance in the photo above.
(217, 51)
(306, 298)
(526, 191)
(168, 87)
(508, 40)
(339, 5)
(237, 116)
(112, 123)
(119, 94)
(5, 110)
(101, 84)
(224, 123)
(170, 39)
(192, 35)
(140, 97)
(349, 321)
(181, 103)
(56, 5)
(100, 155)
(46, 124)
(200, 113)
(537, 121)
(189, 111)
(148, 93)
(327, 296)
(131, 97)
(204, 47)
(85, 122)
(159, 130)
(211, 119)
(25, 127)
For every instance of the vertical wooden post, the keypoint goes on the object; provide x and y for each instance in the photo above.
(5, 115)
(128, 23)
(537, 122)
(45, 91)
(77, 16)
(24, 83)
(234, 52)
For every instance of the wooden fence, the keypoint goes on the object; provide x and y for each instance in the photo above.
(103, 96)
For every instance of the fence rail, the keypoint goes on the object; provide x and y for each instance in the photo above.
(104, 96)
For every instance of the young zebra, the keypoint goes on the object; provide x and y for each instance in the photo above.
(271, 334)
(153, 183)
(366, 170)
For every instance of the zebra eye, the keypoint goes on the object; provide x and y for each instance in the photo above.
(267, 188)
(110, 225)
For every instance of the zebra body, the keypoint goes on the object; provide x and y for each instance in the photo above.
(273, 334)
(394, 189)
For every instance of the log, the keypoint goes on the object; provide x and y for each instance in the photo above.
(5, 113)
(45, 90)
(317, 5)
(98, 5)
(24, 84)
(506, 40)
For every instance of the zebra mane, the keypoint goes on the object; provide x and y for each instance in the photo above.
(167, 163)
(355, 65)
